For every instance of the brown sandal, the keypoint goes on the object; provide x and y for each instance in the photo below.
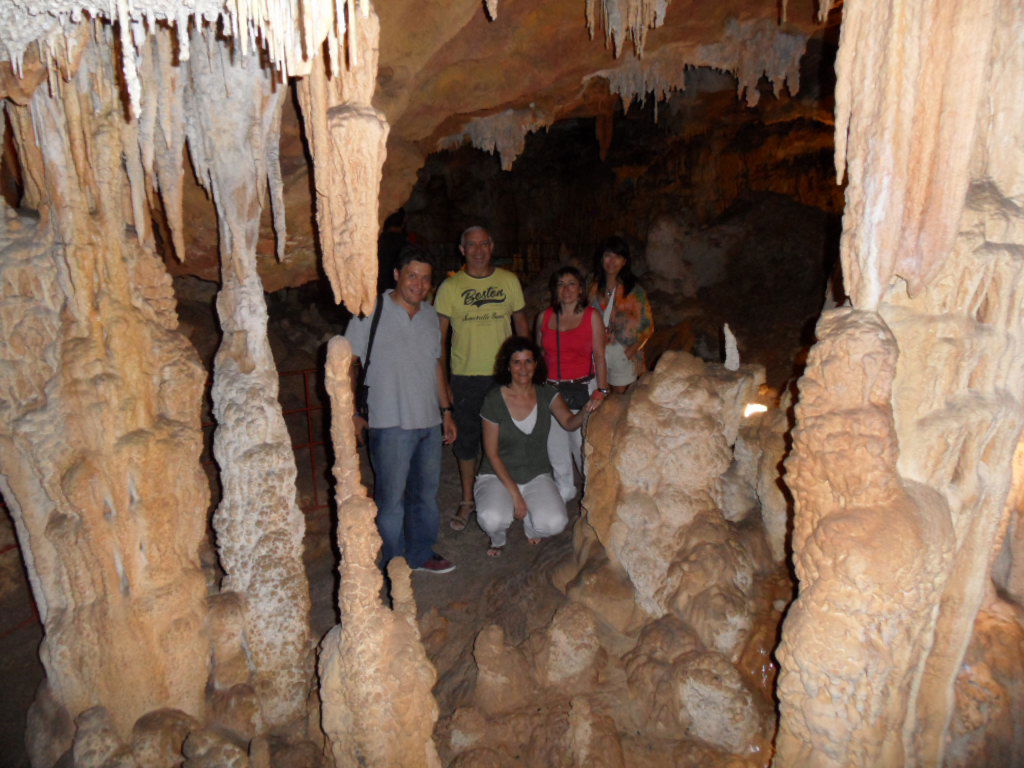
(459, 521)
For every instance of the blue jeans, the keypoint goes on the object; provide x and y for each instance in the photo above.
(407, 473)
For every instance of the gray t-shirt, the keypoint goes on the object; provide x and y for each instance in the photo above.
(402, 376)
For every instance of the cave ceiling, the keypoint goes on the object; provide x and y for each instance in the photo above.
(449, 74)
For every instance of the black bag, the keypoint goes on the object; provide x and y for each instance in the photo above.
(575, 393)
(362, 390)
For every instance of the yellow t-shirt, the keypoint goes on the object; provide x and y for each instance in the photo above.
(480, 310)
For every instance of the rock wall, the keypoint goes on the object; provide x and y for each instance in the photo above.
(100, 428)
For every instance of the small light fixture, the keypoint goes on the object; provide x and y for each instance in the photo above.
(753, 408)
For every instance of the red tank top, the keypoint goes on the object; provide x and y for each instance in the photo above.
(573, 348)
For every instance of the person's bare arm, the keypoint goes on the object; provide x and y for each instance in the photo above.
(597, 339)
(445, 322)
(448, 427)
(572, 421)
(491, 433)
(520, 326)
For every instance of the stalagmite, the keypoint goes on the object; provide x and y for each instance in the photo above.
(233, 108)
(100, 438)
(375, 678)
(732, 352)
(347, 139)
(847, 685)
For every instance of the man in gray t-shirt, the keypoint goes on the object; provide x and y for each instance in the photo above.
(408, 412)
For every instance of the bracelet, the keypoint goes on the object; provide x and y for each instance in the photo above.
(604, 391)
(447, 408)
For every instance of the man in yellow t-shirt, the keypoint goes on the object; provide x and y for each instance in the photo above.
(483, 306)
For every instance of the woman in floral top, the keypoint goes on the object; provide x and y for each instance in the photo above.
(625, 309)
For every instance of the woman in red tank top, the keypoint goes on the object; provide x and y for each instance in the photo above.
(572, 338)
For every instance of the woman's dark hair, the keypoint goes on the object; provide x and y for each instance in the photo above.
(553, 287)
(619, 247)
(514, 344)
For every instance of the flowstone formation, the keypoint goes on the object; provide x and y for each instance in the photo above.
(658, 653)
(101, 456)
(100, 427)
(897, 574)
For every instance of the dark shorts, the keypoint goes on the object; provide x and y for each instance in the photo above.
(468, 398)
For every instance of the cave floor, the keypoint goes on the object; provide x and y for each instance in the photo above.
(513, 590)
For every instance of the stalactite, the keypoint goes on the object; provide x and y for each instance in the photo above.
(375, 678)
(233, 109)
(625, 17)
(169, 138)
(747, 49)
(504, 133)
(347, 139)
(290, 31)
(906, 140)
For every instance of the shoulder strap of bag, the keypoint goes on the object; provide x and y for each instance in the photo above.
(590, 315)
(558, 345)
(609, 309)
(373, 331)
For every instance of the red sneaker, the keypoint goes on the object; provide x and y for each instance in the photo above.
(437, 564)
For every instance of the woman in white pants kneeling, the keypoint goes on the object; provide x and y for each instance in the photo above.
(515, 480)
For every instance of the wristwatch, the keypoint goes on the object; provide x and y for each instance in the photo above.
(447, 408)
(603, 390)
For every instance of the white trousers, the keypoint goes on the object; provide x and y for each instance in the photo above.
(495, 509)
(565, 448)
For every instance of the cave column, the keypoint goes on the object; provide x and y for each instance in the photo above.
(100, 436)
(233, 107)
(930, 129)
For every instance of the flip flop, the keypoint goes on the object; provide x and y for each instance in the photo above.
(459, 521)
